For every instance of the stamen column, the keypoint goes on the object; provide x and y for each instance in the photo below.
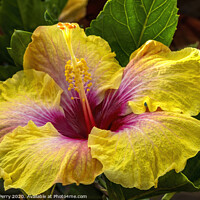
(76, 72)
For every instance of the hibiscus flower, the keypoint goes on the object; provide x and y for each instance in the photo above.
(74, 113)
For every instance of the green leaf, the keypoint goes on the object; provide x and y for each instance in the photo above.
(127, 24)
(18, 44)
(194, 45)
(168, 196)
(55, 7)
(48, 18)
(27, 14)
(4, 56)
(171, 182)
(37, 8)
(6, 71)
(115, 192)
(198, 116)
(10, 17)
(192, 170)
(31, 13)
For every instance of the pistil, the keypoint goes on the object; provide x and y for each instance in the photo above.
(76, 72)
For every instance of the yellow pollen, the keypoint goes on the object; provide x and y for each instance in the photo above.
(89, 84)
(78, 75)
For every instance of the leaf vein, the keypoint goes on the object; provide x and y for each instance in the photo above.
(145, 23)
(116, 18)
(127, 20)
(161, 14)
(119, 43)
(164, 27)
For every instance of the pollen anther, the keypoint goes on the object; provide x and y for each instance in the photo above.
(78, 75)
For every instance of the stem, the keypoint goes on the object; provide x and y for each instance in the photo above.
(25, 195)
(53, 188)
(99, 187)
(102, 182)
(168, 196)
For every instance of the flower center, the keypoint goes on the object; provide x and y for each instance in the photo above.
(77, 75)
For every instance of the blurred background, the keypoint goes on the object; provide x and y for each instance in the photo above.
(188, 30)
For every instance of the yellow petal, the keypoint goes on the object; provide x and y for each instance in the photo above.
(162, 78)
(73, 11)
(48, 52)
(29, 95)
(34, 158)
(145, 147)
